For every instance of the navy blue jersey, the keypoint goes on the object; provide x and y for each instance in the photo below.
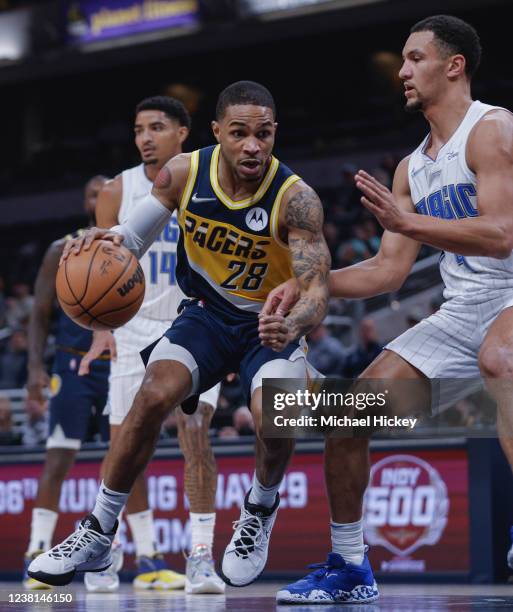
(230, 253)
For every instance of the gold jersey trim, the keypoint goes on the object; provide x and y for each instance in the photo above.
(233, 204)
(191, 180)
(275, 214)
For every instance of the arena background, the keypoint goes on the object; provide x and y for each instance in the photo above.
(67, 95)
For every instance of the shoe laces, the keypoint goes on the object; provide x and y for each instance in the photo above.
(76, 541)
(252, 534)
(321, 569)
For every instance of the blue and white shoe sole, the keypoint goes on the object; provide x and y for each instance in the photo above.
(361, 594)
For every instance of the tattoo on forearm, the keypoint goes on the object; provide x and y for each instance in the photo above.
(311, 261)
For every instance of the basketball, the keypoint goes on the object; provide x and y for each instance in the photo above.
(101, 288)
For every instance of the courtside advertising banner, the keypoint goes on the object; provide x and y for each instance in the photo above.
(416, 510)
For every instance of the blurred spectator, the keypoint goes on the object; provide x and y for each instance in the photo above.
(414, 316)
(7, 435)
(19, 305)
(389, 164)
(243, 421)
(13, 362)
(3, 304)
(228, 432)
(363, 245)
(326, 353)
(35, 428)
(332, 237)
(169, 426)
(368, 349)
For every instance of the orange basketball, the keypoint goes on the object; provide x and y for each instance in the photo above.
(101, 288)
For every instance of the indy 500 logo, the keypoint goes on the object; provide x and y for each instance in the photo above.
(406, 504)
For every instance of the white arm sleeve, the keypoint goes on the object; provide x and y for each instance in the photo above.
(143, 225)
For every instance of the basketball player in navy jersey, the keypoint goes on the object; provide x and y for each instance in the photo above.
(161, 126)
(247, 223)
(73, 398)
(455, 193)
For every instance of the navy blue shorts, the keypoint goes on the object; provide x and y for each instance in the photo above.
(75, 400)
(220, 346)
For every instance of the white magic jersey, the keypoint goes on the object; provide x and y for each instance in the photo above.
(446, 188)
(162, 295)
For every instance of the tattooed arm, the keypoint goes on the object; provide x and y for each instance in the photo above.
(301, 219)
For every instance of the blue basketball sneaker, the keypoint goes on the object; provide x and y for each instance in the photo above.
(335, 581)
(510, 551)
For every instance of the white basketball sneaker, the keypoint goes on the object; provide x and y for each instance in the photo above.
(108, 580)
(85, 550)
(200, 573)
(246, 554)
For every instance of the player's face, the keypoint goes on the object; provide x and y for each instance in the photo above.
(92, 190)
(423, 71)
(246, 135)
(158, 137)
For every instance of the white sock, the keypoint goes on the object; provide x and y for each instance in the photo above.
(347, 541)
(202, 529)
(262, 496)
(143, 533)
(41, 529)
(108, 507)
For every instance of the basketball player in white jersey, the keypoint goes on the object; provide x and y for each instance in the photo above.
(161, 126)
(455, 193)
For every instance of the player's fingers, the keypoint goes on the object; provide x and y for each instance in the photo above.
(287, 302)
(271, 303)
(369, 189)
(78, 245)
(89, 237)
(369, 205)
(374, 181)
(66, 250)
(112, 348)
(83, 369)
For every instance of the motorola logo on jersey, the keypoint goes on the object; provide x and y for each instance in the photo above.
(257, 219)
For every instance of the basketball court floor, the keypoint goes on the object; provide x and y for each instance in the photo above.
(261, 597)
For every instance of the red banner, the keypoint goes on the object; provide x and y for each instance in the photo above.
(416, 510)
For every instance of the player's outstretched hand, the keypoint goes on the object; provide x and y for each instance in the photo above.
(273, 331)
(379, 200)
(75, 245)
(102, 341)
(281, 299)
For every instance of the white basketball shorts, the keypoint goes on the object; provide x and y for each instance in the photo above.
(446, 344)
(127, 372)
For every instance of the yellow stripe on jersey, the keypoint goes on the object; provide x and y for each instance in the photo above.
(233, 204)
(191, 179)
(275, 215)
(246, 266)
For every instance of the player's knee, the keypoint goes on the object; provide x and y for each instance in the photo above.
(154, 401)
(496, 361)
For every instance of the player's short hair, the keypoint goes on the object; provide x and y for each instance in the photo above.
(172, 107)
(244, 92)
(453, 36)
